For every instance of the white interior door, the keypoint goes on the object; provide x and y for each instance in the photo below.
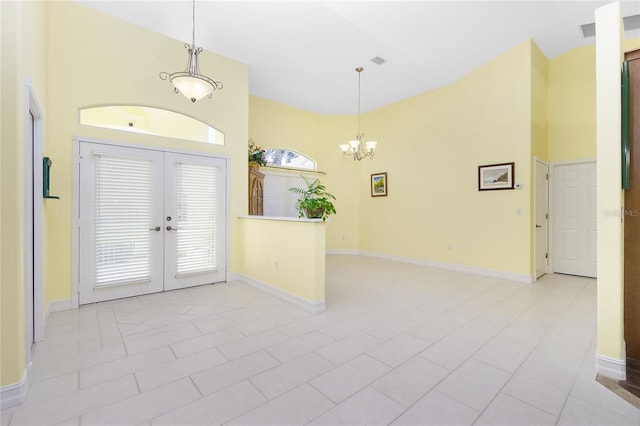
(541, 218)
(149, 221)
(575, 219)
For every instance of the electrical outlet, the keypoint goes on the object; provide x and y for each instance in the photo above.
(276, 264)
(450, 247)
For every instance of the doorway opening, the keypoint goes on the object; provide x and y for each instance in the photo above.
(541, 209)
(33, 220)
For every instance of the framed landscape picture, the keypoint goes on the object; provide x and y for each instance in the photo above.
(379, 184)
(495, 176)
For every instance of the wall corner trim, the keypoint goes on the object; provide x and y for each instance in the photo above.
(611, 367)
(312, 307)
(15, 393)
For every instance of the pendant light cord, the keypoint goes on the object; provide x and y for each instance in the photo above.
(359, 134)
(359, 71)
(193, 21)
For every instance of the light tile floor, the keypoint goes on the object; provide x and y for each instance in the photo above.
(399, 344)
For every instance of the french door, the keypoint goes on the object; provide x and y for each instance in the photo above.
(149, 221)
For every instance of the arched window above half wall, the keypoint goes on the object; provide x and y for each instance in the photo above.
(151, 121)
(282, 157)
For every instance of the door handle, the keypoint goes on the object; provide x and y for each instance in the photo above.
(157, 228)
(170, 228)
(538, 226)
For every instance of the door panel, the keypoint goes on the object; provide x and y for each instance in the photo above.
(575, 219)
(194, 209)
(121, 252)
(632, 217)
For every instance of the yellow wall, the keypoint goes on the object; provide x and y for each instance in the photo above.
(274, 125)
(24, 57)
(539, 104)
(285, 254)
(610, 195)
(119, 64)
(432, 162)
(572, 103)
(431, 146)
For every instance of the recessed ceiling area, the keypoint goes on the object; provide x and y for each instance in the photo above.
(303, 53)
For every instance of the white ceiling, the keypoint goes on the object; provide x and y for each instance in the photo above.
(304, 53)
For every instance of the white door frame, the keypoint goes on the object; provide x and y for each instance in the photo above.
(75, 239)
(535, 210)
(33, 256)
(552, 194)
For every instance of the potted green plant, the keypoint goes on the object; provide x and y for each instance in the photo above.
(256, 155)
(314, 201)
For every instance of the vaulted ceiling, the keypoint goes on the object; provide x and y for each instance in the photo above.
(304, 53)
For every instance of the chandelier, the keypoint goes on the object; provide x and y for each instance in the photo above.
(354, 148)
(190, 82)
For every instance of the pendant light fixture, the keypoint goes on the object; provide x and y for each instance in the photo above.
(190, 82)
(354, 148)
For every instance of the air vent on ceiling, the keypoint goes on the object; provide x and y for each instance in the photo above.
(630, 23)
(378, 60)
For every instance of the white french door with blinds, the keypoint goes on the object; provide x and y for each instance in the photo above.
(149, 221)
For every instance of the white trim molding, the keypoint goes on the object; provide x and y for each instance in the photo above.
(343, 252)
(611, 367)
(511, 276)
(15, 393)
(312, 307)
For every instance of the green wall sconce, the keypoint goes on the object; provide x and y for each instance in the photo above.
(46, 178)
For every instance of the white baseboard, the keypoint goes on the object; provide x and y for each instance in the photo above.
(511, 276)
(312, 307)
(346, 252)
(56, 306)
(611, 367)
(15, 393)
(234, 276)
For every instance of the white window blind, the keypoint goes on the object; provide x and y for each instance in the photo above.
(122, 220)
(196, 188)
(278, 200)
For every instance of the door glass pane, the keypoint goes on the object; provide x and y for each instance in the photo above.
(122, 220)
(196, 187)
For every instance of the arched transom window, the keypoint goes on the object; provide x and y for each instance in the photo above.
(282, 157)
(151, 121)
